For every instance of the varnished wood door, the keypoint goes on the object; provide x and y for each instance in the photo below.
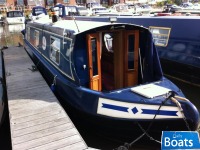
(131, 57)
(94, 61)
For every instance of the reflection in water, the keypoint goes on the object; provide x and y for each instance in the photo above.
(10, 35)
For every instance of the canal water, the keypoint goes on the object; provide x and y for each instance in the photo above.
(11, 36)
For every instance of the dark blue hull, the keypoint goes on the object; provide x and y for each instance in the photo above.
(132, 129)
(83, 103)
(3, 93)
(180, 58)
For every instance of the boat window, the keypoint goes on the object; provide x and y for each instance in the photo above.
(14, 14)
(36, 36)
(160, 35)
(94, 56)
(55, 50)
(68, 47)
(28, 34)
(108, 41)
(38, 11)
(18, 14)
(44, 43)
(131, 39)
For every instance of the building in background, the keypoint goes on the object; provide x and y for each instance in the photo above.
(6, 5)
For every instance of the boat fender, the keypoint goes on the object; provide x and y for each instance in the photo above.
(53, 85)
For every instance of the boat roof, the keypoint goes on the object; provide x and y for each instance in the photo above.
(148, 17)
(76, 25)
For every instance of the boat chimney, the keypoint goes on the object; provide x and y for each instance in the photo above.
(54, 16)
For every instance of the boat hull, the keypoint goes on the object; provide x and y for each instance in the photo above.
(2, 89)
(132, 129)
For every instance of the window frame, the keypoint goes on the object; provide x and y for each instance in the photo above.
(55, 50)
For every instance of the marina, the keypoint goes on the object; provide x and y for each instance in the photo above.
(108, 145)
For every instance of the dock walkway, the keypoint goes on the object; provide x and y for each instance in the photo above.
(37, 120)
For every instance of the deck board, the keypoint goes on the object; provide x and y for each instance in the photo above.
(37, 120)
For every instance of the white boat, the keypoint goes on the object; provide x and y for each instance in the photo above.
(38, 12)
(14, 17)
(121, 10)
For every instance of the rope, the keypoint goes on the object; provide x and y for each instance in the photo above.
(181, 110)
(53, 84)
(145, 132)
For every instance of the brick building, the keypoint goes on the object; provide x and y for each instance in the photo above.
(6, 5)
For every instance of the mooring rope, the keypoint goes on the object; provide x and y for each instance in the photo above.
(127, 146)
(171, 96)
(181, 110)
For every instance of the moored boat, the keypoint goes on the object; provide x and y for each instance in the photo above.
(14, 17)
(110, 74)
(38, 12)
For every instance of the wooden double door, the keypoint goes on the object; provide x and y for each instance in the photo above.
(113, 59)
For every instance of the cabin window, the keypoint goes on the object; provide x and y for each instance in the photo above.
(94, 56)
(160, 35)
(55, 50)
(68, 47)
(28, 34)
(108, 41)
(131, 39)
(36, 36)
(44, 43)
(15, 14)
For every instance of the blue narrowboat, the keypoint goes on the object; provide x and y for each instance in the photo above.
(110, 74)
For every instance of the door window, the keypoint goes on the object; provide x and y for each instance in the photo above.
(131, 39)
(94, 56)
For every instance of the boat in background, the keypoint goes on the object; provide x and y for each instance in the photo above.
(62, 10)
(110, 75)
(176, 39)
(14, 17)
(38, 12)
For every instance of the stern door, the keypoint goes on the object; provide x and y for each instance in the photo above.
(131, 57)
(94, 61)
